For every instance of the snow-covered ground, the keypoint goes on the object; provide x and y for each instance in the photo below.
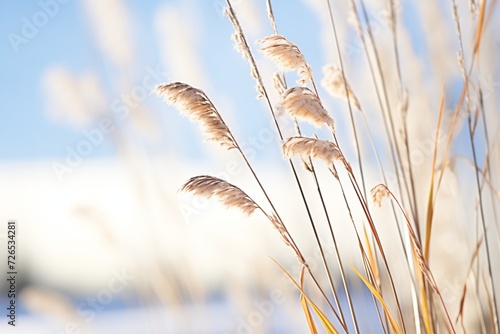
(119, 235)
(107, 220)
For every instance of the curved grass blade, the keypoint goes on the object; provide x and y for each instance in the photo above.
(330, 329)
(305, 307)
(394, 324)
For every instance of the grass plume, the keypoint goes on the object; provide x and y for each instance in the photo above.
(394, 103)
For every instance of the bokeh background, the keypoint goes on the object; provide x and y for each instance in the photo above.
(91, 203)
(91, 161)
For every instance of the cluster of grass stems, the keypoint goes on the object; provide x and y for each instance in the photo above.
(302, 103)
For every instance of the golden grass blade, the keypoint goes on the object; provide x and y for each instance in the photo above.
(480, 26)
(380, 192)
(426, 315)
(305, 307)
(323, 318)
(471, 128)
(230, 195)
(371, 257)
(450, 132)
(378, 241)
(195, 104)
(430, 200)
(394, 324)
(307, 313)
(372, 271)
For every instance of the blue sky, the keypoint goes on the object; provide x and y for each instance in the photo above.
(26, 131)
(67, 40)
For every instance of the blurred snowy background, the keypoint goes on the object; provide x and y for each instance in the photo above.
(91, 162)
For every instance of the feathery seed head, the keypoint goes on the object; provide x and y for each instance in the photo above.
(311, 148)
(194, 104)
(333, 82)
(286, 56)
(379, 193)
(229, 195)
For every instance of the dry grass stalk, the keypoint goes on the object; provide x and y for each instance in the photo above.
(286, 56)
(241, 46)
(311, 148)
(302, 103)
(280, 227)
(334, 84)
(194, 104)
(353, 17)
(460, 314)
(473, 8)
(262, 91)
(270, 16)
(230, 195)
(381, 192)
(279, 83)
